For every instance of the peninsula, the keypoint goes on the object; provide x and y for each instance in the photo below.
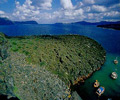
(45, 67)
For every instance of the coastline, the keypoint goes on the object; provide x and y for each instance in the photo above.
(110, 27)
(67, 43)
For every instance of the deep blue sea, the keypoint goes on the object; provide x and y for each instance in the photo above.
(108, 38)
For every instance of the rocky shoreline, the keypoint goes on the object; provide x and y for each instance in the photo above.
(82, 79)
(44, 67)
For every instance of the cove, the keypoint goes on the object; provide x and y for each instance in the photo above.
(108, 38)
(87, 91)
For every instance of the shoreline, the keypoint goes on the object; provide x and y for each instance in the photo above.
(106, 27)
(56, 54)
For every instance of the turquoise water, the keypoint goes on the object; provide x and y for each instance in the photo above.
(112, 87)
(108, 38)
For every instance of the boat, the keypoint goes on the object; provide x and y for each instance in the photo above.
(114, 75)
(96, 84)
(100, 91)
(116, 61)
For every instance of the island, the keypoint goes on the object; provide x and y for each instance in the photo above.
(110, 26)
(25, 22)
(6, 21)
(47, 67)
(103, 24)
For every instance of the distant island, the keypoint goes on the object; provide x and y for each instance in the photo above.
(104, 24)
(25, 22)
(6, 21)
(96, 23)
(111, 26)
(90, 23)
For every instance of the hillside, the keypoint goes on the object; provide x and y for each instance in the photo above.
(6, 21)
(45, 67)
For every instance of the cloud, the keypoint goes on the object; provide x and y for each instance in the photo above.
(38, 4)
(73, 12)
(98, 8)
(78, 12)
(115, 7)
(2, 12)
(28, 11)
(67, 16)
(66, 4)
(89, 1)
(87, 10)
(23, 11)
(42, 4)
(112, 14)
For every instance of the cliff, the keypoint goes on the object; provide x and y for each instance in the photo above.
(44, 67)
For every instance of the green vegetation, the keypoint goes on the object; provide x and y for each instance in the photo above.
(15, 90)
(67, 56)
(42, 67)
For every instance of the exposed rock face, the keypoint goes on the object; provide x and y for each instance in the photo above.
(41, 67)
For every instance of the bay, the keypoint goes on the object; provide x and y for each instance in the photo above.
(108, 38)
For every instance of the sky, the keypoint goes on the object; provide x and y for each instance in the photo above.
(60, 11)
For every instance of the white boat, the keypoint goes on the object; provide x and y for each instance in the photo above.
(114, 75)
(116, 61)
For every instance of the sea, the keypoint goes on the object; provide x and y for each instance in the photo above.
(108, 38)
